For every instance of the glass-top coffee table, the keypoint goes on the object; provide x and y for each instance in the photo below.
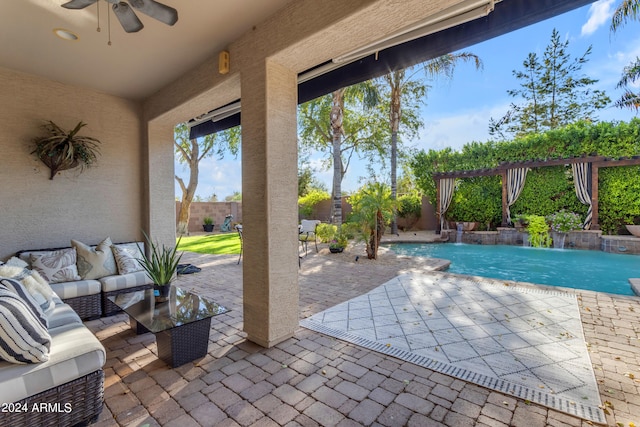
(181, 324)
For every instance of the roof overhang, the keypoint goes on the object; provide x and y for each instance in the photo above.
(507, 16)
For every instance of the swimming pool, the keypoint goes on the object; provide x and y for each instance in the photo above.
(571, 268)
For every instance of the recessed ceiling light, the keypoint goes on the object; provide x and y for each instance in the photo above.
(65, 34)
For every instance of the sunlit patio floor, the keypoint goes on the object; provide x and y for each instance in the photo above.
(312, 379)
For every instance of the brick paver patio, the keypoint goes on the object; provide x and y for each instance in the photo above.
(312, 379)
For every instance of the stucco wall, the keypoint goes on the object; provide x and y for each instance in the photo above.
(105, 200)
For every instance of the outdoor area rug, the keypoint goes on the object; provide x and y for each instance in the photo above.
(523, 341)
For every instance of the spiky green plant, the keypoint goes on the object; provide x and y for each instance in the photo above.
(162, 263)
(62, 150)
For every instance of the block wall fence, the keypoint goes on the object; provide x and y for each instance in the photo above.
(322, 211)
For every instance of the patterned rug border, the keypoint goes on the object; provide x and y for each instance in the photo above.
(588, 412)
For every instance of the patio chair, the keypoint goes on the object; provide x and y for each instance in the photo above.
(239, 230)
(306, 232)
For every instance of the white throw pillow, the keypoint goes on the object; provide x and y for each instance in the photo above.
(95, 263)
(127, 258)
(56, 266)
(33, 282)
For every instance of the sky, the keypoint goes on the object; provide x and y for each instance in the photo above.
(457, 111)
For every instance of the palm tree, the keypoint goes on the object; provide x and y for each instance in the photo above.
(349, 129)
(627, 10)
(372, 209)
(405, 87)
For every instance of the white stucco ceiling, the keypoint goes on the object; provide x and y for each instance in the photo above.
(136, 65)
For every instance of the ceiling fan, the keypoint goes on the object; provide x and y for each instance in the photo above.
(127, 17)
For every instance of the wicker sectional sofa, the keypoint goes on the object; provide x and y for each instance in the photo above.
(65, 388)
(88, 296)
(50, 362)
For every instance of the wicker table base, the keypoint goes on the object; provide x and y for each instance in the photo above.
(181, 324)
(181, 344)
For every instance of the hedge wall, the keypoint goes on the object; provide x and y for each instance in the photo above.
(547, 189)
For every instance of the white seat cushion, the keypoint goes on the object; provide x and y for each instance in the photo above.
(74, 352)
(125, 281)
(78, 288)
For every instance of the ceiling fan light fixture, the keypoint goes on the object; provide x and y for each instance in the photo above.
(65, 34)
(125, 14)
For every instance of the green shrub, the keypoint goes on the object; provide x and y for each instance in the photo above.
(410, 205)
(477, 199)
(326, 232)
(619, 198)
(538, 230)
(306, 203)
(548, 189)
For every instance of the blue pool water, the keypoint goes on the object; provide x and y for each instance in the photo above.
(580, 269)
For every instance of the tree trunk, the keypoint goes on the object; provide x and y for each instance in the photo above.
(188, 191)
(375, 237)
(337, 131)
(394, 116)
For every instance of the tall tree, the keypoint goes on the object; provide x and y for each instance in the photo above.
(628, 10)
(404, 92)
(554, 91)
(191, 152)
(339, 124)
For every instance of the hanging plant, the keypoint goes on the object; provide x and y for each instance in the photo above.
(62, 150)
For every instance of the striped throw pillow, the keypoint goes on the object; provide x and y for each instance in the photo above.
(24, 337)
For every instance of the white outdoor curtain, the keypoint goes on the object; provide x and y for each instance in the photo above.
(515, 183)
(446, 194)
(582, 182)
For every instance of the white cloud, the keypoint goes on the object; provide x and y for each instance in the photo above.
(599, 13)
(459, 129)
(220, 177)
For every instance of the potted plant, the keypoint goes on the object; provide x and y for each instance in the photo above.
(561, 223)
(633, 227)
(61, 150)
(207, 224)
(161, 265)
(564, 221)
(335, 247)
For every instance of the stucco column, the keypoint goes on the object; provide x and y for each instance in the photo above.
(159, 209)
(269, 202)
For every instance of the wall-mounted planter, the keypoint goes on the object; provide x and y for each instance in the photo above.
(62, 150)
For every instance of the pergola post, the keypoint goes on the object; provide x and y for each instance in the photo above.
(438, 206)
(594, 197)
(503, 175)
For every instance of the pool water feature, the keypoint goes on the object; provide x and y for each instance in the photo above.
(571, 268)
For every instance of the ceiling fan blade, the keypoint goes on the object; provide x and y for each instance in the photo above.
(127, 17)
(159, 11)
(78, 4)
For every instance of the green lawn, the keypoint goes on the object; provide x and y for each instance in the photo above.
(228, 243)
